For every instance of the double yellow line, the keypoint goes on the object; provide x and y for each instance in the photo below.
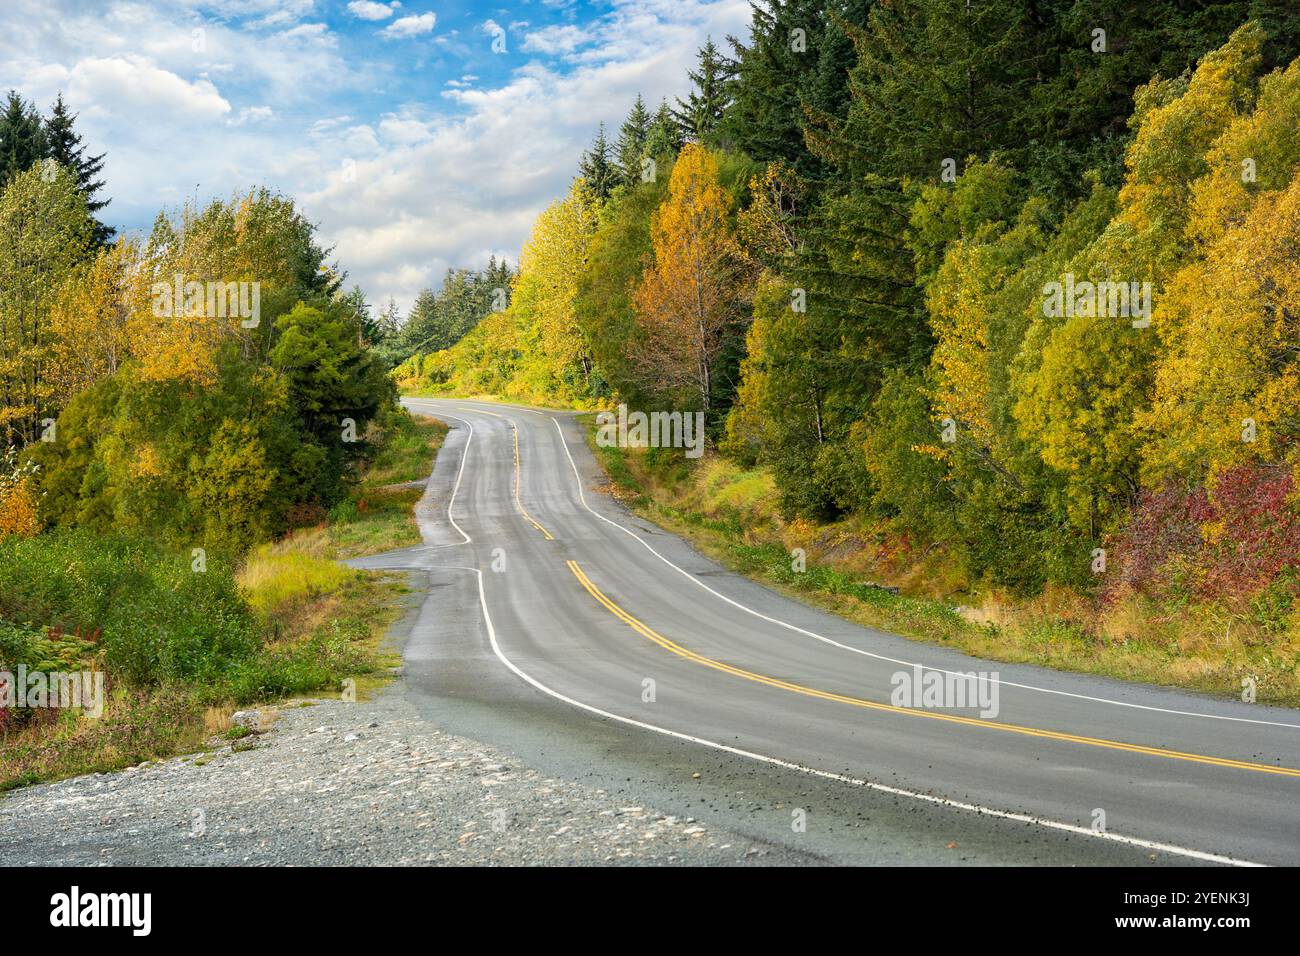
(675, 648)
(518, 481)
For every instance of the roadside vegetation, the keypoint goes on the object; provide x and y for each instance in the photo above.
(867, 572)
(379, 514)
(1030, 352)
(182, 650)
(194, 427)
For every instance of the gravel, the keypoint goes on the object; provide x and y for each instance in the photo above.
(335, 783)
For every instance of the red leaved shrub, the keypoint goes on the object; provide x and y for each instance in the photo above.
(1230, 541)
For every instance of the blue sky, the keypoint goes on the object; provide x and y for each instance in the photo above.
(418, 135)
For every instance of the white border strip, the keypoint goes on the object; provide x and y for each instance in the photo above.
(881, 657)
(839, 777)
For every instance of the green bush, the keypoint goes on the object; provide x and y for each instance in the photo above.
(153, 618)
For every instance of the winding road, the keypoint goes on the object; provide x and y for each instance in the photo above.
(553, 621)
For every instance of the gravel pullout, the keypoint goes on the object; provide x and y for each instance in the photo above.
(335, 783)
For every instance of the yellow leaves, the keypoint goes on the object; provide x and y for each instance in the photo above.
(18, 513)
(1257, 152)
(688, 297)
(767, 226)
(1228, 387)
(933, 451)
(958, 303)
(549, 269)
(148, 463)
(44, 230)
(90, 318)
(1174, 134)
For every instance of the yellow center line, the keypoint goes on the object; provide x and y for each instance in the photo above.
(690, 655)
(518, 481)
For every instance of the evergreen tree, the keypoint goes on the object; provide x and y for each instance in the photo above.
(699, 115)
(63, 144)
(496, 276)
(665, 136)
(796, 62)
(22, 139)
(932, 83)
(597, 166)
(632, 138)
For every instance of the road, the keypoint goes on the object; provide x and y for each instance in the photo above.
(561, 625)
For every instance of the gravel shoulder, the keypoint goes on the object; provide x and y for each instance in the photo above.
(335, 783)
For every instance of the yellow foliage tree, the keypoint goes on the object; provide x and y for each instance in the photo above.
(93, 317)
(549, 269)
(1228, 387)
(18, 506)
(44, 233)
(690, 297)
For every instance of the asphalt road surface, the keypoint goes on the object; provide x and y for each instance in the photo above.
(560, 625)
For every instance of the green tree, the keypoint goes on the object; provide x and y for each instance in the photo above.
(665, 137)
(597, 167)
(63, 145)
(22, 137)
(700, 114)
(45, 233)
(795, 62)
(633, 137)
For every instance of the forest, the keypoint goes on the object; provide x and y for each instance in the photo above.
(850, 246)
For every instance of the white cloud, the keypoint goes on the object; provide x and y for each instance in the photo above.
(401, 192)
(132, 85)
(369, 10)
(253, 114)
(410, 26)
(312, 33)
(558, 39)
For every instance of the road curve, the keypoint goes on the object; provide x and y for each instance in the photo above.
(550, 606)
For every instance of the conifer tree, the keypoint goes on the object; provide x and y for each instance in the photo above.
(699, 115)
(632, 138)
(63, 144)
(597, 166)
(22, 139)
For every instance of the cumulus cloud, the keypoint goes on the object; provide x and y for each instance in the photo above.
(557, 39)
(253, 114)
(412, 26)
(311, 33)
(369, 10)
(135, 86)
(402, 190)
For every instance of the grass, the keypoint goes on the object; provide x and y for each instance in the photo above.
(274, 576)
(379, 515)
(730, 514)
(183, 650)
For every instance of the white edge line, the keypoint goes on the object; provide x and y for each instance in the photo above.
(776, 761)
(881, 657)
(464, 457)
(839, 777)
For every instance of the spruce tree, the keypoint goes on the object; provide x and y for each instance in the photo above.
(22, 139)
(632, 138)
(700, 114)
(665, 136)
(936, 81)
(63, 144)
(597, 166)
